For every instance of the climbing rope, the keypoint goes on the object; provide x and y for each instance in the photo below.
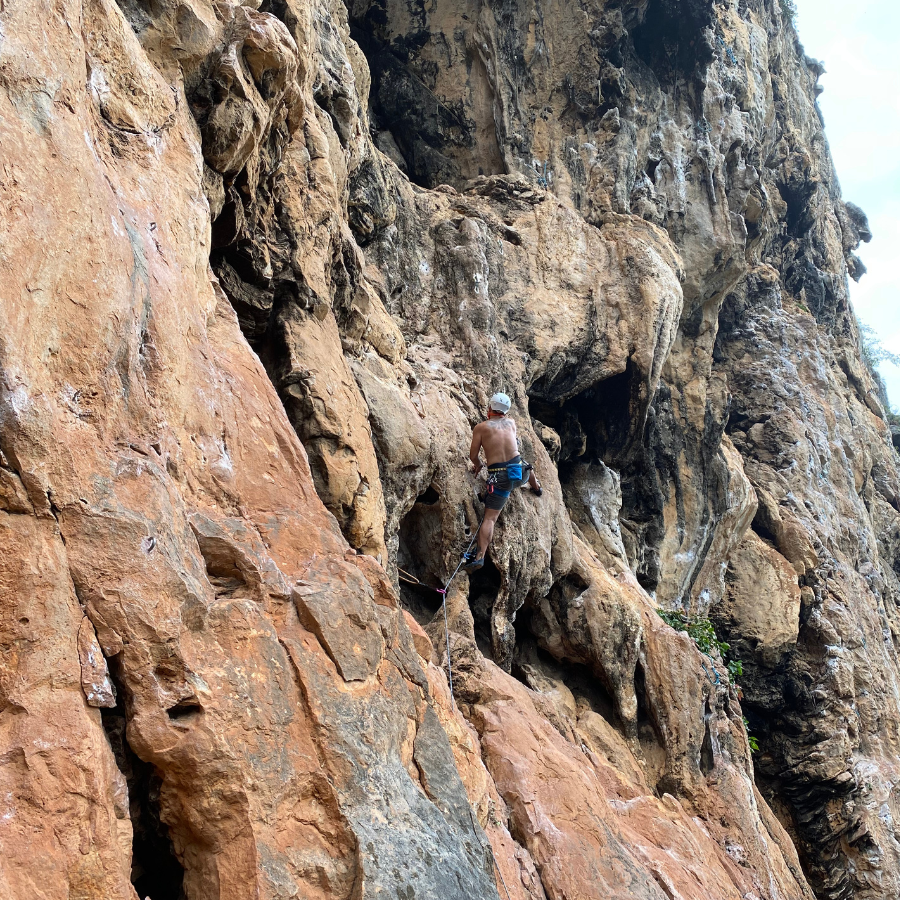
(443, 591)
(717, 682)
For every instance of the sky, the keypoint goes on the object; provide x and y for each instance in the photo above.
(859, 43)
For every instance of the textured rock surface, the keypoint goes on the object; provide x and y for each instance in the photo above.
(262, 267)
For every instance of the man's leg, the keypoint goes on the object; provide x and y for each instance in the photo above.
(487, 531)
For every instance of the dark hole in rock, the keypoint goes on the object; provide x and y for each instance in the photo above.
(737, 421)
(546, 413)
(227, 225)
(229, 587)
(598, 422)
(761, 529)
(222, 568)
(184, 709)
(585, 685)
(418, 557)
(772, 789)
(484, 586)
(240, 258)
(605, 412)
(649, 736)
(156, 872)
(567, 589)
(801, 215)
(424, 130)
(707, 758)
(802, 805)
(429, 497)
(251, 295)
(670, 40)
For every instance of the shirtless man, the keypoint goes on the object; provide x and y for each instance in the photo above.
(497, 436)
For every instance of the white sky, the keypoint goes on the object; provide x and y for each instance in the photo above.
(859, 43)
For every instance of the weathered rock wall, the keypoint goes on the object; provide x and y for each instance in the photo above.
(262, 266)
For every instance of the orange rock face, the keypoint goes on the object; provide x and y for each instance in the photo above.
(156, 494)
(260, 270)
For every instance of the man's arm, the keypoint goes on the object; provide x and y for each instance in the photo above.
(476, 447)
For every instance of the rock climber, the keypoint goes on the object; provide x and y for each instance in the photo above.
(506, 471)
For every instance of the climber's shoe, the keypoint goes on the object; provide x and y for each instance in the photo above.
(473, 565)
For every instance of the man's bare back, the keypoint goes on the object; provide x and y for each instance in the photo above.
(497, 436)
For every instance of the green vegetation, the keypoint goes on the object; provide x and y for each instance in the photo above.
(751, 740)
(701, 630)
(789, 10)
(704, 636)
(873, 352)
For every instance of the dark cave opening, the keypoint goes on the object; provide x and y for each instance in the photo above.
(429, 496)
(223, 570)
(237, 266)
(607, 422)
(804, 807)
(420, 539)
(611, 422)
(598, 422)
(670, 40)
(406, 113)
(566, 591)
(156, 872)
(801, 215)
(707, 757)
(431, 138)
(607, 413)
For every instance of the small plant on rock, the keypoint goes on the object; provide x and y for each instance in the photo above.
(704, 635)
(701, 630)
(751, 739)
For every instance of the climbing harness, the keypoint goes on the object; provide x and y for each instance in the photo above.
(515, 471)
(510, 475)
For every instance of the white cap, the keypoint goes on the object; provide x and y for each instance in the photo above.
(500, 403)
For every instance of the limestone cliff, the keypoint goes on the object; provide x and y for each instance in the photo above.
(262, 265)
